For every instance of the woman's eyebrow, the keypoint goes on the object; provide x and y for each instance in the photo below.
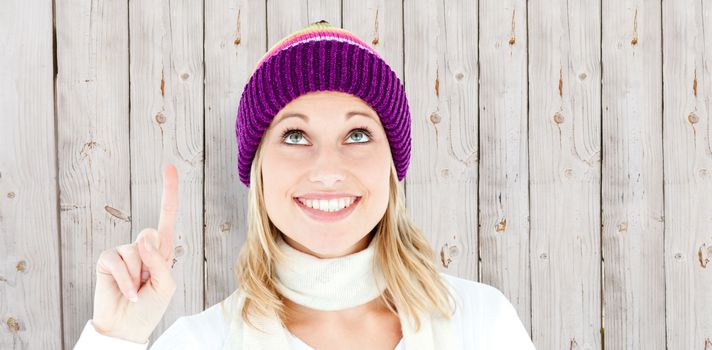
(306, 118)
(353, 113)
(285, 116)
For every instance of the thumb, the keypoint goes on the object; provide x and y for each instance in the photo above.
(161, 279)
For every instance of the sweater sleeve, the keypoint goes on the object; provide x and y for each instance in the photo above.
(512, 333)
(91, 339)
(204, 330)
(487, 319)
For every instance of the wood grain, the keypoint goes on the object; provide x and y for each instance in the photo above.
(504, 159)
(565, 173)
(632, 183)
(167, 125)
(30, 294)
(441, 185)
(93, 155)
(687, 149)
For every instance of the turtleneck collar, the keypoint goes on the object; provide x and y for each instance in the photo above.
(329, 284)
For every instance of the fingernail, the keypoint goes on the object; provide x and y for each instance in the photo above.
(144, 275)
(133, 297)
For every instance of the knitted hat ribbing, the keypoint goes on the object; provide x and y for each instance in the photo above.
(321, 57)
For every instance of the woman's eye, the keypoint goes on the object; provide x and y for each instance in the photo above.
(289, 135)
(362, 133)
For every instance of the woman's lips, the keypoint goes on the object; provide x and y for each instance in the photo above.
(324, 216)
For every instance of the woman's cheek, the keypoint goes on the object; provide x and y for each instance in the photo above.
(286, 153)
(362, 152)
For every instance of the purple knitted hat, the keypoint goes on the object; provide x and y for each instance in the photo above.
(316, 58)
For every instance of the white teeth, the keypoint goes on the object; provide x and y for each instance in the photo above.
(328, 205)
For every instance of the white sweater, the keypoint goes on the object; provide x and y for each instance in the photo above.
(487, 320)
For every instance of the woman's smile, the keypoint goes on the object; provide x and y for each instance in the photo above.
(340, 208)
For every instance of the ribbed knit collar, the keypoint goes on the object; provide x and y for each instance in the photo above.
(329, 284)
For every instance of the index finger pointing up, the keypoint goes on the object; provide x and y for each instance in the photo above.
(169, 209)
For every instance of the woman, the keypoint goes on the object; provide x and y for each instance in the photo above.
(331, 260)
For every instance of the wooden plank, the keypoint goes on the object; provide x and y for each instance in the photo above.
(93, 131)
(235, 40)
(565, 173)
(166, 63)
(30, 297)
(287, 16)
(632, 189)
(441, 83)
(504, 173)
(687, 145)
(378, 23)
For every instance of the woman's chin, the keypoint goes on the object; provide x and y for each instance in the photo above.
(327, 247)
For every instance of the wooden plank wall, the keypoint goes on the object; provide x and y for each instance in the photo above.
(562, 152)
(30, 273)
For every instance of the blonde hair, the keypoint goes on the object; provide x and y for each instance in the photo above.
(405, 257)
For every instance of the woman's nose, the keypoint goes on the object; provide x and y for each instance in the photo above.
(327, 167)
(328, 180)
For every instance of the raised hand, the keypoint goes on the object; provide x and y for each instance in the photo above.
(134, 284)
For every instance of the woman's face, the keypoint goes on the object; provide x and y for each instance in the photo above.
(327, 152)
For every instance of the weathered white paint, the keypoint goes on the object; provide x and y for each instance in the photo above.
(504, 158)
(93, 146)
(166, 67)
(565, 173)
(441, 183)
(687, 150)
(30, 298)
(632, 183)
